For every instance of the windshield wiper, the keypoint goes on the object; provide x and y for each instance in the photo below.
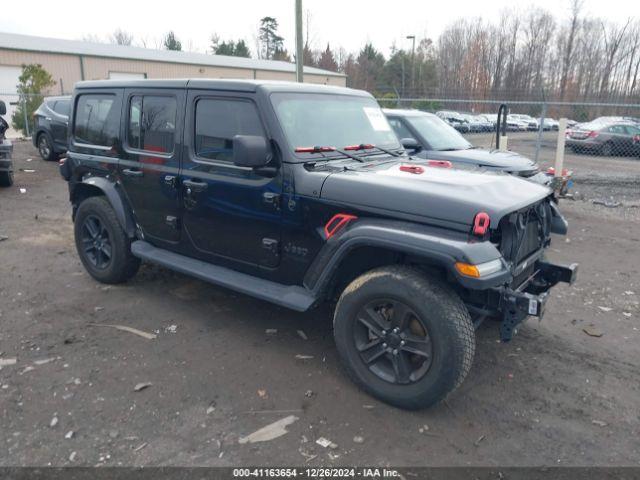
(328, 150)
(369, 146)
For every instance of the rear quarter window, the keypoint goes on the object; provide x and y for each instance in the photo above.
(97, 120)
(61, 107)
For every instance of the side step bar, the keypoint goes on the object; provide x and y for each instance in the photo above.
(294, 297)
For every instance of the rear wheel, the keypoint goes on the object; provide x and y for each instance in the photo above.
(102, 244)
(6, 179)
(45, 147)
(404, 337)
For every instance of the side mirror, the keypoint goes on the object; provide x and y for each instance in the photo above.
(3, 108)
(250, 151)
(411, 144)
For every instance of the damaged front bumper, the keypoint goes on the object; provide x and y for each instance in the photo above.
(530, 298)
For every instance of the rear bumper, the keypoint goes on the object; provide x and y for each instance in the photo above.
(530, 298)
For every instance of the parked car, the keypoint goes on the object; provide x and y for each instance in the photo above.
(531, 123)
(455, 120)
(300, 194)
(6, 149)
(550, 124)
(51, 120)
(516, 124)
(492, 118)
(486, 125)
(604, 139)
(475, 125)
(424, 135)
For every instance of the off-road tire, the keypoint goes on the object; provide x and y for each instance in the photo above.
(51, 155)
(122, 265)
(439, 308)
(6, 179)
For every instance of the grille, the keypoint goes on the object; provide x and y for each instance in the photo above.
(531, 241)
(525, 232)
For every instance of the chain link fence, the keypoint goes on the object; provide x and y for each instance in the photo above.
(594, 129)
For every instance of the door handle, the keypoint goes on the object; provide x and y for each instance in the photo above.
(132, 173)
(195, 187)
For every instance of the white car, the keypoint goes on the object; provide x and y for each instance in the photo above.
(514, 123)
(532, 123)
(550, 124)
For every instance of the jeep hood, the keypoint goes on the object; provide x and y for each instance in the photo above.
(446, 195)
(508, 161)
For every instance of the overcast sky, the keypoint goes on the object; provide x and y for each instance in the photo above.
(341, 22)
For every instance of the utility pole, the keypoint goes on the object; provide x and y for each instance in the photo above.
(299, 46)
(413, 62)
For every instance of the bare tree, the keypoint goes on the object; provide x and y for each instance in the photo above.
(121, 37)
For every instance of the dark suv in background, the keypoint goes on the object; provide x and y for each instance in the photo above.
(300, 195)
(51, 121)
(6, 148)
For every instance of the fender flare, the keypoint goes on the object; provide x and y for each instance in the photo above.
(435, 245)
(120, 205)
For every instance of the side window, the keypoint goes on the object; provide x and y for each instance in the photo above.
(61, 107)
(152, 123)
(617, 129)
(632, 130)
(218, 121)
(97, 120)
(400, 128)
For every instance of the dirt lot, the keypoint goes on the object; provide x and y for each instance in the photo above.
(552, 396)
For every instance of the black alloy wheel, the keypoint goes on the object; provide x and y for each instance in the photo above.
(392, 341)
(96, 242)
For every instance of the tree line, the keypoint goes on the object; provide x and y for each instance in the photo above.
(525, 55)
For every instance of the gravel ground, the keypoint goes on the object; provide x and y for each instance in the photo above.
(553, 396)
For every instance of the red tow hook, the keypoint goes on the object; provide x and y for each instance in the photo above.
(481, 224)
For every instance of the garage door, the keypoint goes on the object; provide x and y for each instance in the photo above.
(126, 76)
(8, 81)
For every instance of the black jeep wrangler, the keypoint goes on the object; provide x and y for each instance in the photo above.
(299, 194)
(6, 149)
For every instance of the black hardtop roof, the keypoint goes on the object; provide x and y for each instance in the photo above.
(223, 84)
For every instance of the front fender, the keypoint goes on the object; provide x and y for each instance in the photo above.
(119, 204)
(435, 245)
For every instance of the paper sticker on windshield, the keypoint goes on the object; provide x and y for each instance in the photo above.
(377, 119)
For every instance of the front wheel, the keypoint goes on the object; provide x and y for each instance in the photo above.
(404, 337)
(102, 244)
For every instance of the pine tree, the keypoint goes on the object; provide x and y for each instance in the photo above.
(171, 42)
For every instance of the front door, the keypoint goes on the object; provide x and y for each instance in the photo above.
(231, 214)
(149, 166)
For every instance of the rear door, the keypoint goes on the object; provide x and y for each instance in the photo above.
(60, 122)
(619, 137)
(148, 168)
(231, 213)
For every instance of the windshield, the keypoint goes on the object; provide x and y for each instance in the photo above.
(438, 134)
(310, 120)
